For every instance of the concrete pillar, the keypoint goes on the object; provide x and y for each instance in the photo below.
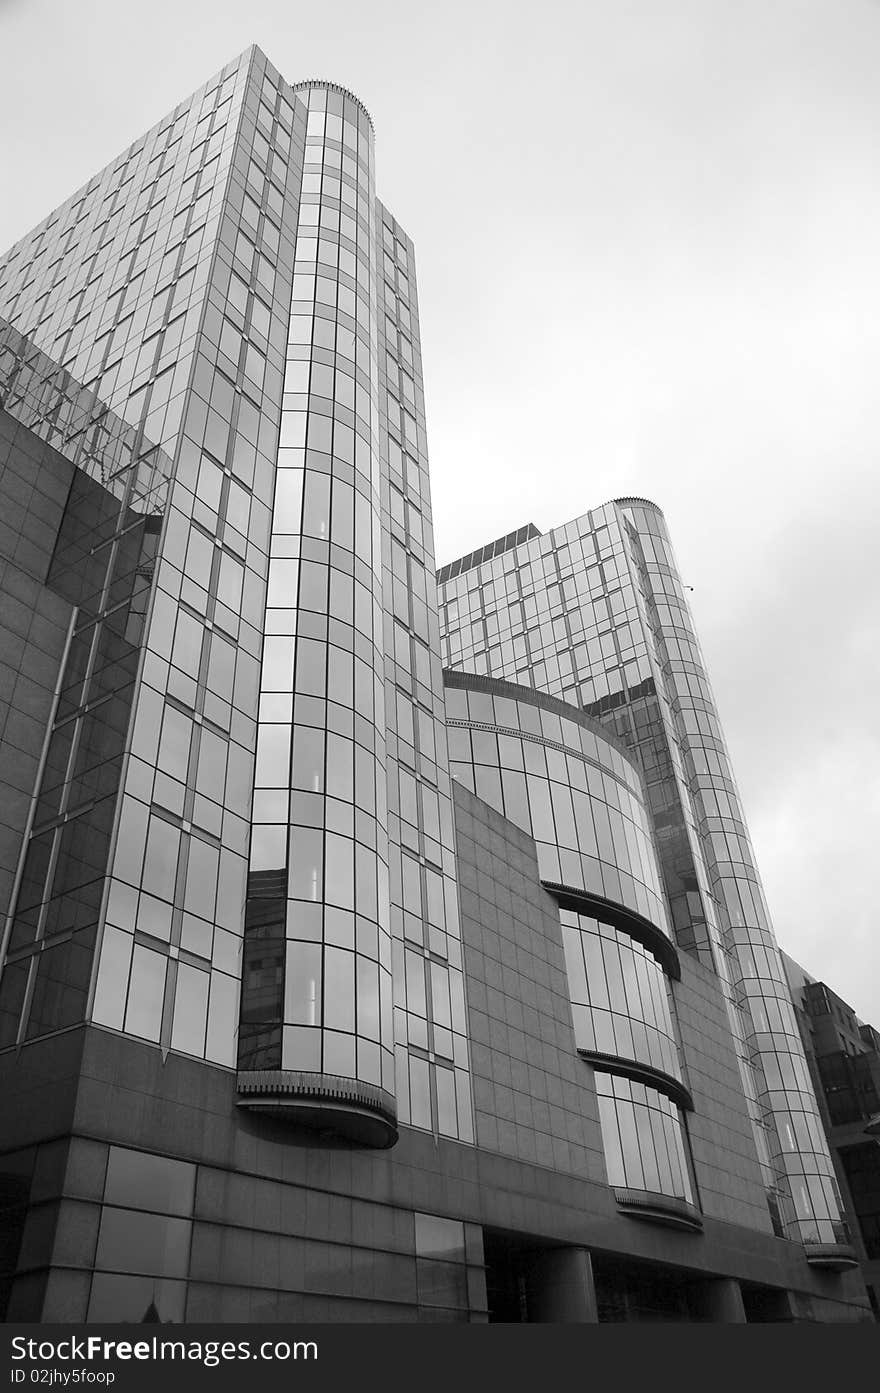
(785, 1306)
(560, 1288)
(722, 1301)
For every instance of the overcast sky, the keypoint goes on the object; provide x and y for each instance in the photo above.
(647, 235)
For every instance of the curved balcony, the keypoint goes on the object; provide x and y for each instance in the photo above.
(641, 1073)
(659, 1209)
(338, 1109)
(620, 999)
(620, 917)
(646, 1147)
(833, 1257)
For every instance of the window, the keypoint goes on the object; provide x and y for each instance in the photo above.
(644, 1138)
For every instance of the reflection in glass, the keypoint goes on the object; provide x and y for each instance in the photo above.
(141, 1180)
(115, 1299)
(143, 1016)
(152, 1244)
(302, 984)
(190, 1010)
(644, 1138)
(590, 824)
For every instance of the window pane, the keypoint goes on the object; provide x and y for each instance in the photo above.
(149, 1243)
(302, 984)
(145, 994)
(115, 1299)
(140, 1180)
(190, 1010)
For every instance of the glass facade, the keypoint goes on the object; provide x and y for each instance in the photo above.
(564, 614)
(280, 839)
(594, 613)
(231, 841)
(172, 940)
(745, 946)
(564, 781)
(574, 788)
(103, 565)
(644, 1137)
(620, 997)
(432, 1069)
(318, 897)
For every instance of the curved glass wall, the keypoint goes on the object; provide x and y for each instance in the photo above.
(595, 613)
(619, 995)
(550, 771)
(186, 354)
(317, 994)
(745, 943)
(432, 1080)
(644, 1138)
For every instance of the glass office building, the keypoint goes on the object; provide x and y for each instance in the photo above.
(233, 288)
(595, 613)
(843, 1054)
(333, 986)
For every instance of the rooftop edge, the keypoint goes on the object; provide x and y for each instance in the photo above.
(334, 87)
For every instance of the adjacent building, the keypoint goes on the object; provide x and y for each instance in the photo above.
(844, 1059)
(335, 986)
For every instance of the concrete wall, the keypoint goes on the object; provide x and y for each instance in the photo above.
(284, 1226)
(534, 1097)
(722, 1144)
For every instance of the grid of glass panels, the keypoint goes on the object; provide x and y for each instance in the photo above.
(449, 1268)
(103, 564)
(171, 952)
(112, 283)
(318, 883)
(143, 1245)
(581, 613)
(430, 1028)
(620, 996)
(564, 614)
(644, 1138)
(166, 280)
(557, 612)
(752, 960)
(566, 785)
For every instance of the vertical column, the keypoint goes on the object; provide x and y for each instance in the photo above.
(560, 1288)
(722, 1301)
(430, 1031)
(749, 960)
(321, 1014)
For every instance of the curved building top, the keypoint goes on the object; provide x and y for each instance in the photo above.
(636, 502)
(335, 87)
(453, 679)
(566, 781)
(530, 533)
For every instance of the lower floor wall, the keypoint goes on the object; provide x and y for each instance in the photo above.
(138, 1191)
(136, 1236)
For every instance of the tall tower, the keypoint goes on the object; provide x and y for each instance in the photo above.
(333, 986)
(595, 612)
(233, 298)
